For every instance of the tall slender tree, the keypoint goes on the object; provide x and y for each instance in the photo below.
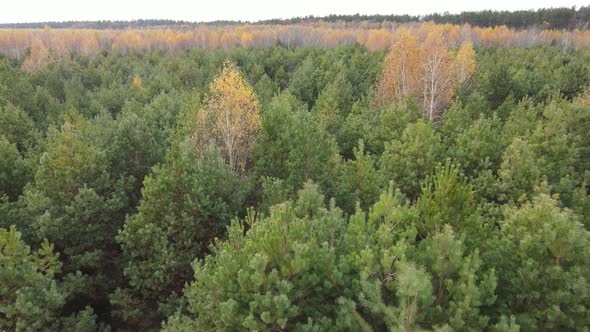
(230, 118)
(400, 70)
(436, 75)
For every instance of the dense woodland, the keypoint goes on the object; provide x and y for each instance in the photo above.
(550, 18)
(564, 28)
(438, 184)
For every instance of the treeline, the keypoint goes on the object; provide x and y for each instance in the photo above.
(97, 25)
(308, 189)
(116, 25)
(544, 18)
(43, 46)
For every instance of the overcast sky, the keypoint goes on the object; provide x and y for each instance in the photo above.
(16, 11)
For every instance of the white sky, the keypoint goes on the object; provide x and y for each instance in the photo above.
(15, 11)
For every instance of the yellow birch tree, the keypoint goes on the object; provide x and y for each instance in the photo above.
(230, 118)
(400, 69)
(465, 62)
(437, 75)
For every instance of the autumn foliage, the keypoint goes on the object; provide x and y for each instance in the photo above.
(400, 69)
(47, 45)
(430, 72)
(230, 118)
(146, 188)
(437, 81)
(40, 55)
(465, 64)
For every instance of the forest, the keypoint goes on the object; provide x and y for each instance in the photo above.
(437, 181)
(552, 18)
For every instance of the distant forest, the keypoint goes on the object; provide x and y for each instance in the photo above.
(547, 18)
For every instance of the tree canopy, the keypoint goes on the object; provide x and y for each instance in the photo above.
(428, 177)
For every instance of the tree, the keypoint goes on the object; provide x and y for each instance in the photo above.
(137, 83)
(32, 300)
(447, 199)
(271, 154)
(545, 283)
(17, 127)
(303, 82)
(388, 124)
(429, 72)
(463, 287)
(465, 62)
(477, 149)
(377, 39)
(265, 89)
(295, 147)
(187, 202)
(333, 105)
(407, 284)
(280, 272)
(408, 160)
(138, 142)
(360, 181)
(39, 57)
(15, 172)
(78, 207)
(401, 69)
(377, 245)
(230, 118)
(436, 75)
(519, 172)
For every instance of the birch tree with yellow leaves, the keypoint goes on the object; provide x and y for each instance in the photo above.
(436, 75)
(230, 118)
(401, 68)
(465, 63)
(39, 57)
(429, 72)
